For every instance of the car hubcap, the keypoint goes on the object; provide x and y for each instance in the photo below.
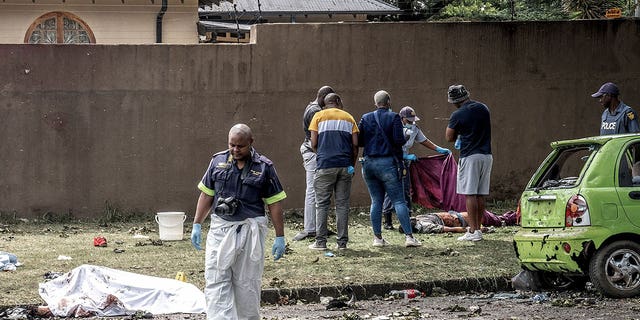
(623, 269)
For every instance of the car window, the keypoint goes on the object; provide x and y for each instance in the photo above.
(629, 167)
(566, 167)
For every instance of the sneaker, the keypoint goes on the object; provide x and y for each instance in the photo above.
(341, 246)
(468, 236)
(303, 235)
(316, 246)
(388, 226)
(380, 242)
(412, 242)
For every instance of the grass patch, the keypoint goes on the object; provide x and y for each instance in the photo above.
(39, 244)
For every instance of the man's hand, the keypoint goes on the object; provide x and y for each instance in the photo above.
(278, 248)
(458, 144)
(351, 170)
(410, 157)
(196, 236)
(442, 150)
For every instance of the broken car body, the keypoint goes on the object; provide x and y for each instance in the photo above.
(581, 214)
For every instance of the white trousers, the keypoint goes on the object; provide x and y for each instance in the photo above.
(234, 265)
(309, 163)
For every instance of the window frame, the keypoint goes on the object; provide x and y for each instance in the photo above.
(59, 15)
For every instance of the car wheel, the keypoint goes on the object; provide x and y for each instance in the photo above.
(615, 269)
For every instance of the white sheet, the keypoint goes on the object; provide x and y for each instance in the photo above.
(90, 290)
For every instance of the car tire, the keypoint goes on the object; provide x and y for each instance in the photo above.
(615, 269)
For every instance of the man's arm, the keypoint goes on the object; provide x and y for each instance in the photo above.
(203, 207)
(277, 218)
(314, 140)
(354, 148)
(450, 135)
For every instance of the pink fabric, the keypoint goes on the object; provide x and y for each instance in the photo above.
(433, 183)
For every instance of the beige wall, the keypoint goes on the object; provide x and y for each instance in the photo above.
(112, 22)
(137, 125)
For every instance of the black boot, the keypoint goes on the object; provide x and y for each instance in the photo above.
(387, 221)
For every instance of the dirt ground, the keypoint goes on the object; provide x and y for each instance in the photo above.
(506, 305)
(570, 305)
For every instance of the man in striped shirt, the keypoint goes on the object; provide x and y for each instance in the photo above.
(334, 137)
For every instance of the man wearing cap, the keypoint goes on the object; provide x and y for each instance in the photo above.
(617, 117)
(412, 133)
(471, 126)
(309, 163)
(381, 138)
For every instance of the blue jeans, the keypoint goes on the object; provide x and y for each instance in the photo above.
(382, 176)
(387, 205)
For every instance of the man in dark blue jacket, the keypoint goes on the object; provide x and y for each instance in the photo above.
(382, 138)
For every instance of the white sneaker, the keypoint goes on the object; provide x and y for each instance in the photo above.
(381, 242)
(476, 236)
(412, 242)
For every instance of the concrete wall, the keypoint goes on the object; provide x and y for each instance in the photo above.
(112, 21)
(136, 125)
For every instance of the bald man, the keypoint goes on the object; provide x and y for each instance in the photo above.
(310, 165)
(234, 190)
(381, 137)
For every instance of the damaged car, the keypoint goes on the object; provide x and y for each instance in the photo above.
(581, 215)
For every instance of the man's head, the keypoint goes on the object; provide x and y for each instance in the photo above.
(457, 94)
(332, 100)
(322, 93)
(408, 115)
(240, 140)
(608, 95)
(382, 99)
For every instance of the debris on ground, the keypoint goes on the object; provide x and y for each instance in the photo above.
(140, 230)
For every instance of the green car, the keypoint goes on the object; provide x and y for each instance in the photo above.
(581, 214)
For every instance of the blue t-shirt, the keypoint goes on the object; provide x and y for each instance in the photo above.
(373, 139)
(258, 185)
(472, 121)
(622, 120)
(335, 128)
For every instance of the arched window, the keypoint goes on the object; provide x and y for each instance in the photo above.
(59, 27)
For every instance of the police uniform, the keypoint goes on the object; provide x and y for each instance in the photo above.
(622, 120)
(234, 260)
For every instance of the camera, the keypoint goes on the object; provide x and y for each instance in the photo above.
(226, 206)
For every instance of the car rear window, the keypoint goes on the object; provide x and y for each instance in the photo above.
(565, 166)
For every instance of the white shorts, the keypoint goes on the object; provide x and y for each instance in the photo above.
(474, 174)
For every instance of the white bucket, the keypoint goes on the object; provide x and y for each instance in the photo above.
(170, 225)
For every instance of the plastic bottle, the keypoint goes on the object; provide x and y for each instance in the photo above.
(406, 293)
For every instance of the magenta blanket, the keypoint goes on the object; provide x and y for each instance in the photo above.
(433, 183)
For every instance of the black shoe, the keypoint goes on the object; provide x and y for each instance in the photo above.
(388, 226)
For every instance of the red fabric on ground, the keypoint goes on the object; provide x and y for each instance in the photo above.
(433, 183)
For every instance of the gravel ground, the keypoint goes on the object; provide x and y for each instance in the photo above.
(505, 305)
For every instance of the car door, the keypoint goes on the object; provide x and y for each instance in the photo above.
(628, 188)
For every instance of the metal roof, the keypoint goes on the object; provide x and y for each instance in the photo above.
(301, 6)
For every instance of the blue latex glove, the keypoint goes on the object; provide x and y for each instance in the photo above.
(410, 157)
(351, 170)
(196, 236)
(442, 150)
(458, 143)
(278, 248)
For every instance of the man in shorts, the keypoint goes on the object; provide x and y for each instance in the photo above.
(470, 128)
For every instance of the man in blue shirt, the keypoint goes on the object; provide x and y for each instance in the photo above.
(382, 138)
(334, 137)
(470, 125)
(234, 190)
(617, 117)
(310, 165)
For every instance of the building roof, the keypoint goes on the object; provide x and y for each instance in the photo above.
(299, 6)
